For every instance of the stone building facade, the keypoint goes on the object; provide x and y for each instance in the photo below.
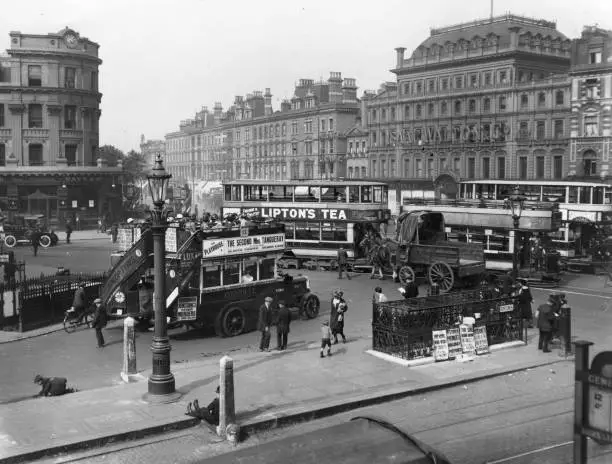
(478, 100)
(305, 138)
(49, 129)
(150, 149)
(591, 104)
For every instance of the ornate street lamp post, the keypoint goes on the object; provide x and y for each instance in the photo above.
(161, 381)
(517, 201)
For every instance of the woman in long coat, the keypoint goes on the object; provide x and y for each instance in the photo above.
(524, 300)
(336, 317)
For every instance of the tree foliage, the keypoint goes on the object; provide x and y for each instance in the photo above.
(134, 163)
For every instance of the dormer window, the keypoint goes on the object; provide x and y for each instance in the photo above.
(595, 57)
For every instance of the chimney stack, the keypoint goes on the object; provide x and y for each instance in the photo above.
(399, 51)
(349, 90)
(335, 87)
(268, 102)
(218, 112)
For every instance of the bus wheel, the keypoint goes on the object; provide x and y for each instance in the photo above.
(230, 322)
(311, 306)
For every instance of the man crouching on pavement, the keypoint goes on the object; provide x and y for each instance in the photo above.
(52, 386)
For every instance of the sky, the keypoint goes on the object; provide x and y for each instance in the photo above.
(163, 60)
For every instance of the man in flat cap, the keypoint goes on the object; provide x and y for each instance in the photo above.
(99, 321)
(264, 323)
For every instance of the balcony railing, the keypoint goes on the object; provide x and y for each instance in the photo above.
(480, 203)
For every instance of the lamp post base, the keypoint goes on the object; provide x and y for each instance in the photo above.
(162, 399)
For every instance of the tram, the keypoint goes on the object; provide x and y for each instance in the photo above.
(319, 216)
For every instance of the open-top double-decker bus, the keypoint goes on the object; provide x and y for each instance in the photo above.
(319, 216)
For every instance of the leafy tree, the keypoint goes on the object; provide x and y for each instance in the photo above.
(110, 154)
(135, 167)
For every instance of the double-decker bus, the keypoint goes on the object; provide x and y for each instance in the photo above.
(319, 216)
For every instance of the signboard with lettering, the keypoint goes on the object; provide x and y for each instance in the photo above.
(507, 308)
(453, 338)
(242, 245)
(124, 238)
(480, 339)
(187, 309)
(440, 345)
(468, 344)
(315, 214)
(171, 242)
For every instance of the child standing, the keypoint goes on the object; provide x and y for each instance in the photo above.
(326, 335)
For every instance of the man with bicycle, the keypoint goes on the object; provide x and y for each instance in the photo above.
(79, 303)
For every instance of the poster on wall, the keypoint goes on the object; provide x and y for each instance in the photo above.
(440, 345)
(453, 339)
(480, 339)
(468, 344)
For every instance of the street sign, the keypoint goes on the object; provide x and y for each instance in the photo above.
(599, 419)
(506, 308)
(187, 308)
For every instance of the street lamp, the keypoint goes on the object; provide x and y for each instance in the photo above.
(517, 201)
(161, 381)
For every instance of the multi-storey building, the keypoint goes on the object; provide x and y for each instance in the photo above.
(150, 149)
(306, 138)
(478, 100)
(49, 115)
(357, 159)
(591, 100)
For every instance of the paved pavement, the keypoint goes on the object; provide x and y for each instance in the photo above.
(271, 389)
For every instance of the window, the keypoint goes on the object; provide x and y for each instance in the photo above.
(523, 130)
(541, 99)
(472, 106)
(94, 81)
(1, 115)
(284, 129)
(419, 111)
(5, 73)
(407, 112)
(524, 101)
(590, 167)
(35, 116)
(502, 103)
(430, 167)
(501, 167)
(444, 84)
(473, 80)
(406, 168)
(419, 88)
(558, 167)
(457, 165)
(592, 88)
(503, 77)
(35, 154)
(559, 97)
(2, 155)
(308, 126)
(383, 115)
(419, 168)
(373, 170)
(444, 108)
(406, 88)
(334, 232)
(294, 128)
(487, 78)
(458, 107)
(595, 57)
(69, 77)
(71, 152)
(34, 76)
(485, 132)
(590, 126)
(458, 82)
(487, 105)
(486, 168)
(539, 167)
(443, 134)
(373, 115)
(307, 231)
(522, 168)
(559, 128)
(540, 130)
(392, 111)
(366, 191)
(430, 109)
(471, 168)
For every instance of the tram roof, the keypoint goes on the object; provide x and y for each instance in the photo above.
(560, 183)
(304, 183)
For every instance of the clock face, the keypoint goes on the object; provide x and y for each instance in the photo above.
(70, 39)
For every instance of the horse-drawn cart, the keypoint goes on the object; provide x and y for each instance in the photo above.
(421, 248)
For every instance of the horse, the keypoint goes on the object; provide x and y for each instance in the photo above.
(378, 254)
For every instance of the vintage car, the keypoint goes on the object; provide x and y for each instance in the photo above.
(19, 231)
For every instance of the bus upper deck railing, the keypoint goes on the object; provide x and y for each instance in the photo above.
(480, 203)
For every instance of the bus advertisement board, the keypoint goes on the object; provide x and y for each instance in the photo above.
(242, 245)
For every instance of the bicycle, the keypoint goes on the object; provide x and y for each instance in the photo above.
(71, 320)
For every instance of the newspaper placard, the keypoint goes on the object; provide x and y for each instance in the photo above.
(453, 339)
(440, 345)
(187, 308)
(124, 238)
(171, 245)
(480, 339)
(468, 344)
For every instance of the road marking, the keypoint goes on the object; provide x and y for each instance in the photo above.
(539, 450)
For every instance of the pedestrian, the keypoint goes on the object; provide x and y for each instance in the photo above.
(336, 319)
(411, 289)
(114, 233)
(68, 232)
(283, 321)
(52, 386)
(79, 302)
(264, 323)
(326, 335)
(524, 300)
(343, 263)
(546, 318)
(99, 321)
(379, 296)
(210, 414)
(35, 239)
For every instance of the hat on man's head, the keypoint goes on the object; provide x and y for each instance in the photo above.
(97, 300)
(269, 299)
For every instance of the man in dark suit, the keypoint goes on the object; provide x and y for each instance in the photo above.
(99, 321)
(343, 263)
(546, 318)
(35, 239)
(264, 323)
(411, 289)
(283, 321)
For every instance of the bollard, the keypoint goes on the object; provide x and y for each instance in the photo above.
(567, 332)
(129, 351)
(227, 411)
(581, 401)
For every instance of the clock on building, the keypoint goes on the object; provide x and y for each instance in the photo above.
(71, 40)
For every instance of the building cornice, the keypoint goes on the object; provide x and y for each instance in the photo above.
(25, 52)
(24, 90)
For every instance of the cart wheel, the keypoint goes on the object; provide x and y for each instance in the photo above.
(406, 273)
(45, 241)
(10, 241)
(441, 274)
(231, 322)
(311, 306)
